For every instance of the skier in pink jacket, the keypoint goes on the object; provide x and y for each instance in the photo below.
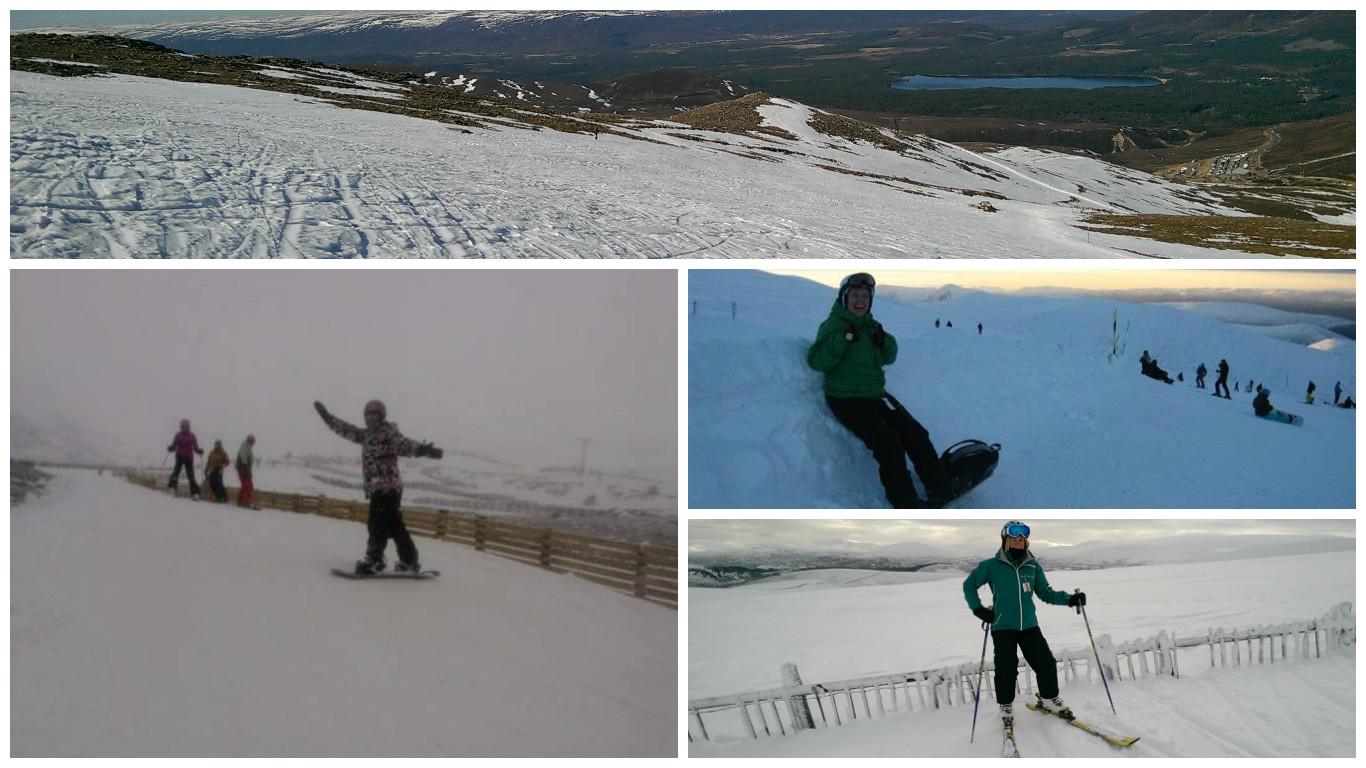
(185, 446)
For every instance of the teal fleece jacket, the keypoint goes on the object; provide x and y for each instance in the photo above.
(1013, 588)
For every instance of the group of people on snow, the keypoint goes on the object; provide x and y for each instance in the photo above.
(381, 445)
(1261, 403)
(185, 446)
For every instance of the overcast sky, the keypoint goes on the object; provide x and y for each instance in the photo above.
(513, 363)
(711, 536)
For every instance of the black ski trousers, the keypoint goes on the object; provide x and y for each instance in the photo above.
(1222, 383)
(1036, 654)
(892, 434)
(220, 493)
(187, 462)
(386, 522)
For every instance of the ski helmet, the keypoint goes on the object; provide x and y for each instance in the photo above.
(1013, 528)
(858, 280)
(376, 407)
(184, 423)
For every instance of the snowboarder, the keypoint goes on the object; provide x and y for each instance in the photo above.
(1222, 381)
(185, 446)
(1261, 404)
(213, 471)
(243, 465)
(948, 324)
(1337, 392)
(936, 322)
(1309, 393)
(979, 329)
(381, 445)
(1200, 376)
(851, 349)
(1015, 578)
(1150, 368)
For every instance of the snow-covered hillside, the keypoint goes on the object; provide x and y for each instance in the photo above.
(1077, 429)
(124, 166)
(739, 637)
(143, 625)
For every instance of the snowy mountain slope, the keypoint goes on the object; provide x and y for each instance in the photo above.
(1077, 430)
(739, 637)
(228, 637)
(122, 166)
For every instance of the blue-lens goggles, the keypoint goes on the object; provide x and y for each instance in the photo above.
(1018, 530)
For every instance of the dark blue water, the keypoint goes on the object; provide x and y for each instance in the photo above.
(927, 83)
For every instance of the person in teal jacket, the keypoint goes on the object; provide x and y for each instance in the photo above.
(851, 349)
(1015, 578)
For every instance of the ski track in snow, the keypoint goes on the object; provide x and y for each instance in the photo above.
(114, 167)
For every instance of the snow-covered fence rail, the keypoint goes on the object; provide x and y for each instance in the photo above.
(645, 571)
(797, 706)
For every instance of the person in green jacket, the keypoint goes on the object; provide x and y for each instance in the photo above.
(1015, 577)
(851, 349)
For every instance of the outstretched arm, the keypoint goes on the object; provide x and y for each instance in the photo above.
(349, 431)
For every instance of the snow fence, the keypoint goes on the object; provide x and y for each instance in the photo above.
(648, 572)
(797, 706)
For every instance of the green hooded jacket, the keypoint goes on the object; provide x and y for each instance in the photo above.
(1012, 590)
(852, 369)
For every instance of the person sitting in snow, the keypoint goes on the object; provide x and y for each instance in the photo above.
(851, 349)
(1261, 404)
(1016, 578)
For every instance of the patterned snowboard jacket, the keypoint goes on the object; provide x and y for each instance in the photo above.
(379, 451)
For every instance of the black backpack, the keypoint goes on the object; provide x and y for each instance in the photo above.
(968, 463)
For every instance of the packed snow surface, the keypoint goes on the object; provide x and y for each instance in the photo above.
(1077, 429)
(841, 625)
(143, 625)
(124, 166)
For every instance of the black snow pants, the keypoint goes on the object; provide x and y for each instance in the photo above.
(215, 479)
(1037, 655)
(892, 434)
(1222, 383)
(386, 522)
(187, 462)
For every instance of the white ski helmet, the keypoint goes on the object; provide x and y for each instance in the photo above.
(1013, 528)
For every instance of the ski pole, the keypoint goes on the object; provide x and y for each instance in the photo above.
(981, 671)
(1082, 610)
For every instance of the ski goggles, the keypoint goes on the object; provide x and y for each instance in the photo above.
(1019, 529)
(860, 280)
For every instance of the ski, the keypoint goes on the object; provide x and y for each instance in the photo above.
(1110, 736)
(1008, 748)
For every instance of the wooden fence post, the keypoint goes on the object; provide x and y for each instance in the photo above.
(801, 711)
(545, 549)
(642, 569)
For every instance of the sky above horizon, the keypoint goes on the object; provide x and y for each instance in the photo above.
(517, 364)
(933, 276)
(708, 536)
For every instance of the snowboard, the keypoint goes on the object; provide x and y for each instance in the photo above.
(345, 574)
(968, 463)
(1284, 418)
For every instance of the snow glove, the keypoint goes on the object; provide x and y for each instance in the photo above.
(879, 336)
(851, 333)
(1076, 599)
(430, 451)
(987, 615)
(321, 409)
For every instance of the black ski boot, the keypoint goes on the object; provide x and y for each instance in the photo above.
(367, 566)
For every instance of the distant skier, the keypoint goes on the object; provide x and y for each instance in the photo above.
(1309, 393)
(1249, 385)
(936, 322)
(1015, 578)
(948, 324)
(851, 349)
(243, 464)
(381, 445)
(1222, 381)
(185, 446)
(979, 329)
(1337, 392)
(213, 471)
(1200, 376)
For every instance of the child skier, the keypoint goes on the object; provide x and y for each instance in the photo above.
(381, 445)
(213, 472)
(1015, 577)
